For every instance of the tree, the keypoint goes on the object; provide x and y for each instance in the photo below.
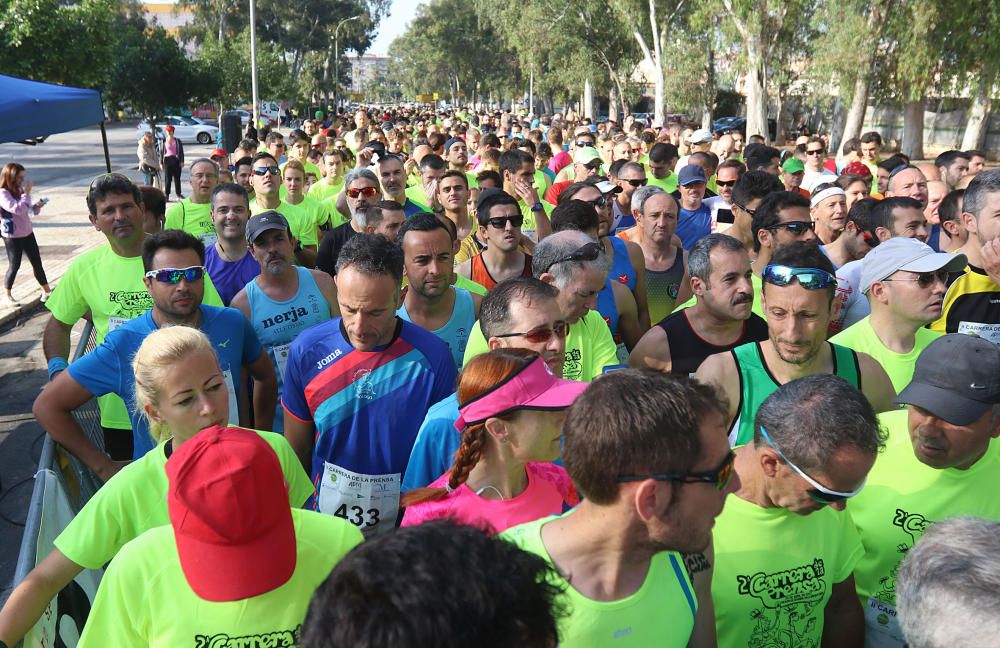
(228, 62)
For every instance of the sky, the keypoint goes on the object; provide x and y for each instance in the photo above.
(402, 12)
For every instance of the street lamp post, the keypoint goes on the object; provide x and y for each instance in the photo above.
(253, 64)
(336, 63)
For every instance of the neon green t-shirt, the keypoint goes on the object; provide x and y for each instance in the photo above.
(758, 305)
(775, 571)
(111, 288)
(469, 284)
(417, 194)
(589, 347)
(660, 613)
(147, 574)
(316, 210)
(192, 218)
(901, 499)
(542, 182)
(668, 184)
(135, 500)
(861, 337)
(530, 225)
(322, 190)
(299, 219)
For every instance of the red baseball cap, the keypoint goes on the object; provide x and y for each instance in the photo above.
(229, 508)
(859, 169)
(219, 153)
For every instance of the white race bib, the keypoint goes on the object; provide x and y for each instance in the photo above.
(115, 322)
(234, 406)
(989, 332)
(622, 353)
(280, 354)
(369, 502)
(208, 239)
(882, 626)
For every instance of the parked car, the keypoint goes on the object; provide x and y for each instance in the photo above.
(724, 125)
(186, 129)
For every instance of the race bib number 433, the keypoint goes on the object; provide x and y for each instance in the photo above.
(369, 502)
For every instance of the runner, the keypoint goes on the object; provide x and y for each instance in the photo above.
(662, 159)
(940, 462)
(664, 262)
(193, 215)
(828, 209)
(362, 193)
(235, 561)
(453, 198)
(792, 171)
(726, 177)
(447, 311)
(629, 177)
(517, 169)
(390, 169)
(500, 223)
(267, 182)
(798, 308)
(953, 232)
(376, 362)
(616, 553)
(333, 180)
(857, 238)
(695, 219)
(721, 319)
(284, 299)
(295, 183)
(228, 259)
(814, 441)
(174, 367)
(512, 409)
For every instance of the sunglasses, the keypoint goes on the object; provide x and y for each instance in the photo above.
(500, 222)
(798, 228)
(637, 183)
(751, 212)
(593, 165)
(814, 151)
(598, 202)
(541, 334)
(818, 493)
(718, 477)
(589, 252)
(174, 275)
(367, 192)
(726, 183)
(927, 279)
(263, 171)
(808, 278)
(584, 143)
(870, 239)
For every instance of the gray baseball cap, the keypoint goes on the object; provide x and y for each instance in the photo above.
(265, 220)
(905, 254)
(956, 378)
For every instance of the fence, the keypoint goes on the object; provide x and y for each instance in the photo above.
(62, 486)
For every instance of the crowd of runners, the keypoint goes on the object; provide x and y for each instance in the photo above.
(406, 378)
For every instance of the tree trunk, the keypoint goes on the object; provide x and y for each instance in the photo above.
(979, 119)
(613, 103)
(913, 129)
(780, 116)
(588, 99)
(837, 127)
(859, 105)
(756, 89)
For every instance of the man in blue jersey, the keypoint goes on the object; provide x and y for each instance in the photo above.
(357, 387)
(431, 302)
(285, 299)
(228, 261)
(175, 279)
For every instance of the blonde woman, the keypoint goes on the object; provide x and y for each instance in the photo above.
(180, 388)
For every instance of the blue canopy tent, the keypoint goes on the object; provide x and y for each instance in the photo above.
(30, 111)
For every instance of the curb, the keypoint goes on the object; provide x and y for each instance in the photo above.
(25, 308)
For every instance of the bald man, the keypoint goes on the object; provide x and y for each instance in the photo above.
(929, 170)
(911, 183)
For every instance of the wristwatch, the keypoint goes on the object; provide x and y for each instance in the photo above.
(537, 207)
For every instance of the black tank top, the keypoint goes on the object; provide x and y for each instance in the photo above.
(688, 350)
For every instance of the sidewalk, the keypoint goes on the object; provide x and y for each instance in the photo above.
(64, 231)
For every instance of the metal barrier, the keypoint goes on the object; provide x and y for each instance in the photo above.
(74, 478)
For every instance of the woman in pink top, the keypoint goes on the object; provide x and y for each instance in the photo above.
(15, 229)
(510, 415)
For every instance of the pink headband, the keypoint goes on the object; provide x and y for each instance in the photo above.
(534, 387)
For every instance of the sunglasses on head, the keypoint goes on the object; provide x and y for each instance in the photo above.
(263, 171)
(367, 192)
(637, 183)
(808, 278)
(926, 279)
(500, 222)
(541, 334)
(798, 228)
(588, 252)
(818, 493)
(174, 275)
(718, 476)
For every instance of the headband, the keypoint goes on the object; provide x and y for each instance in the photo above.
(826, 193)
(534, 387)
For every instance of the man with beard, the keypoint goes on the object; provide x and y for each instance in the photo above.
(456, 154)
(193, 215)
(390, 169)
(284, 299)
(797, 294)
(721, 319)
(431, 302)
(228, 261)
(267, 185)
(362, 191)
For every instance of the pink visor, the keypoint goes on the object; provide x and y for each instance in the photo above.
(534, 387)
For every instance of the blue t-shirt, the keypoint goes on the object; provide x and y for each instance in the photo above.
(229, 277)
(108, 368)
(455, 333)
(692, 226)
(367, 407)
(434, 448)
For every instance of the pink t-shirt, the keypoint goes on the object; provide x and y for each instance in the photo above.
(560, 160)
(549, 492)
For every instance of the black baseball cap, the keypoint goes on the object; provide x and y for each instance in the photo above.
(266, 220)
(956, 378)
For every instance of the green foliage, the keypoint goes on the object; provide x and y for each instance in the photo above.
(228, 62)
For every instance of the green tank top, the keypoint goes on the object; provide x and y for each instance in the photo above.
(757, 383)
